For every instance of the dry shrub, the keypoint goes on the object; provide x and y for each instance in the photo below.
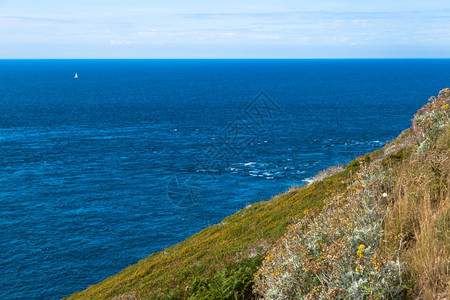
(419, 219)
(331, 254)
(328, 172)
(129, 296)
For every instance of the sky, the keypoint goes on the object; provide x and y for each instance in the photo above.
(224, 29)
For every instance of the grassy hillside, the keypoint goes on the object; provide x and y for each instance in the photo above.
(355, 220)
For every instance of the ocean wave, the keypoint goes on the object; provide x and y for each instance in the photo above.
(308, 181)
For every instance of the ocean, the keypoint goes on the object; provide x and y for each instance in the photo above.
(134, 156)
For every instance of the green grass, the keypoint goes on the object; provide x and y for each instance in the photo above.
(232, 282)
(203, 256)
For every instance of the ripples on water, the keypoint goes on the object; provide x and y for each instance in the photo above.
(99, 172)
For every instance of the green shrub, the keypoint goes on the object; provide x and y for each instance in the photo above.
(333, 253)
(233, 282)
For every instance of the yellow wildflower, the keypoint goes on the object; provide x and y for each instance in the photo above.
(360, 253)
(445, 106)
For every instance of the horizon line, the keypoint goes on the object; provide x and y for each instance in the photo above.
(239, 58)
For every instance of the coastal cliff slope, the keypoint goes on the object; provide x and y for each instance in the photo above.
(376, 228)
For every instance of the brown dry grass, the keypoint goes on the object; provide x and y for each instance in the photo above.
(419, 220)
(129, 296)
(326, 173)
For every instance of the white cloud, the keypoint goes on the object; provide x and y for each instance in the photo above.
(119, 43)
(198, 24)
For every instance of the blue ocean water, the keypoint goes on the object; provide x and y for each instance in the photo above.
(137, 155)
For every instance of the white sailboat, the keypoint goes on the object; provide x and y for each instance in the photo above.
(76, 76)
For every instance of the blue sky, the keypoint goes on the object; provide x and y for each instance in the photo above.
(224, 29)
